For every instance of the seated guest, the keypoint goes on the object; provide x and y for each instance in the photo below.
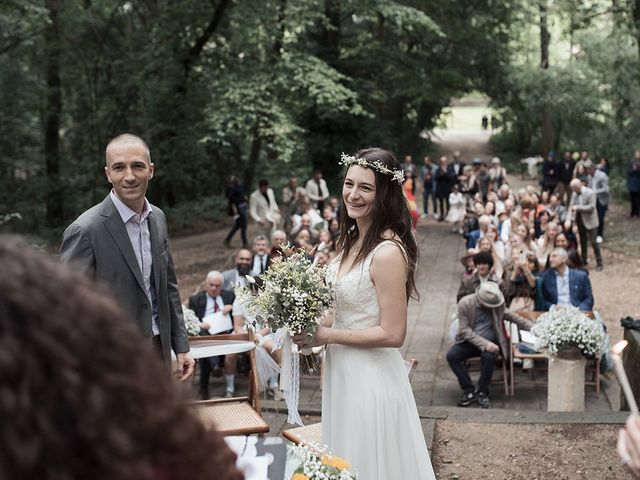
(546, 243)
(238, 275)
(492, 234)
(483, 262)
(562, 285)
(304, 223)
(278, 239)
(486, 245)
(213, 300)
(91, 399)
(556, 209)
(260, 260)
(329, 243)
(523, 281)
(481, 333)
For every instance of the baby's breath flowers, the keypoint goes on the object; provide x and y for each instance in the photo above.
(348, 160)
(316, 463)
(191, 322)
(291, 294)
(567, 327)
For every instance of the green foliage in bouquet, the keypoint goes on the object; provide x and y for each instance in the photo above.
(566, 327)
(292, 294)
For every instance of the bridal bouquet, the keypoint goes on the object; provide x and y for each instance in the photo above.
(567, 327)
(317, 464)
(291, 297)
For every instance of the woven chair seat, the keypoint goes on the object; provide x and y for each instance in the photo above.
(233, 417)
(309, 434)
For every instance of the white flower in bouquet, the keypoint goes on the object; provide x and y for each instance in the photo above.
(191, 321)
(292, 294)
(567, 327)
(317, 463)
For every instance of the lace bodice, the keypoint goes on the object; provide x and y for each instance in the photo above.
(356, 298)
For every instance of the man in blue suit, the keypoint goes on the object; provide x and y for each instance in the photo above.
(562, 285)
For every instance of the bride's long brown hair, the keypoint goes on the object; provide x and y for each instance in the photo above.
(390, 212)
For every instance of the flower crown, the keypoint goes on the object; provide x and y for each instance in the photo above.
(348, 160)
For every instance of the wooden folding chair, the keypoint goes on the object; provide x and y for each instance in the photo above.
(593, 365)
(312, 434)
(236, 415)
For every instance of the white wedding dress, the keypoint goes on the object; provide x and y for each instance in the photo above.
(369, 414)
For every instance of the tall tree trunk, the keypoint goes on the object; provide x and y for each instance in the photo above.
(636, 23)
(545, 38)
(54, 204)
(332, 31)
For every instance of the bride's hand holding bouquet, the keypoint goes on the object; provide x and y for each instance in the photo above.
(292, 297)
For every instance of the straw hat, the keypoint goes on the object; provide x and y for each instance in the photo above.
(470, 253)
(489, 295)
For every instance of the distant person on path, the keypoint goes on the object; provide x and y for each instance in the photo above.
(238, 209)
(293, 196)
(481, 334)
(82, 398)
(264, 209)
(456, 170)
(427, 178)
(485, 122)
(567, 166)
(498, 174)
(550, 173)
(409, 168)
(317, 190)
(633, 183)
(582, 210)
(443, 182)
(599, 183)
(123, 243)
(494, 122)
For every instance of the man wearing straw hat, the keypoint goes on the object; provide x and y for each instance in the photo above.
(481, 333)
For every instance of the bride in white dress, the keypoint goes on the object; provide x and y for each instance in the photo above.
(369, 414)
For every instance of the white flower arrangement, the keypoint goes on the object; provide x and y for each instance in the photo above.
(191, 321)
(292, 294)
(567, 327)
(348, 160)
(316, 463)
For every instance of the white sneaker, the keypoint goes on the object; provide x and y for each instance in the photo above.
(599, 239)
(527, 364)
(424, 215)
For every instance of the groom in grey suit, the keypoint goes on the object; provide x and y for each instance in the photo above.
(122, 243)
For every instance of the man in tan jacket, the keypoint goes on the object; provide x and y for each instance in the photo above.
(481, 333)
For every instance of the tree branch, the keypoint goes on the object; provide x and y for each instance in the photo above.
(208, 32)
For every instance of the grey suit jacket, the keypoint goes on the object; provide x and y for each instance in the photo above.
(97, 244)
(585, 203)
(599, 183)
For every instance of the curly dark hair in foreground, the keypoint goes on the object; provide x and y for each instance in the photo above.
(82, 395)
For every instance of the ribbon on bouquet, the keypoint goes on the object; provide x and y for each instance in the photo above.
(289, 374)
